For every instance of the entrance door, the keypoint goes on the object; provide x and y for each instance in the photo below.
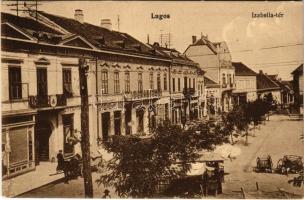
(117, 122)
(140, 118)
(42, 136)
(128, 120)
(105, 125)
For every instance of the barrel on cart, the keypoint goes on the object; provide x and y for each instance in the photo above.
(264, 164)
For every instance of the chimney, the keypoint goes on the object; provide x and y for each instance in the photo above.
(193, 39)
(260, 71)
(78, 15)
(106, 23)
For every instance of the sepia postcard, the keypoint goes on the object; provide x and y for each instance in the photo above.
(152, 99)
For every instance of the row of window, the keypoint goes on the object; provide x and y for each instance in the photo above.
(230, 78)
(16, 86)
(187, 83)
(105, 82)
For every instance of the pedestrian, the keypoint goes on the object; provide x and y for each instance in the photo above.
(74, 167)
(60, 160)
(106, 194)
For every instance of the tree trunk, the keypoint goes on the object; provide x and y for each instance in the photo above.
(232, 138)
(85, 137)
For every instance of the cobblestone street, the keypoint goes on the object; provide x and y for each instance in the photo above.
(279, 137)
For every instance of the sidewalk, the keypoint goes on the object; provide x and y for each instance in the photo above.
(31, 180)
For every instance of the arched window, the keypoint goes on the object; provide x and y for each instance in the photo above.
(151, 80)
(104, 82)
(224, 79)
(165, 81)
(116, 82)
(127, 82)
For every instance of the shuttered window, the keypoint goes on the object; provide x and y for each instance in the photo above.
(18, 145)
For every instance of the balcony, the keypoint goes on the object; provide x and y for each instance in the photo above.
(47, 101)
(188, 92)
(145, 94)
(232, 85)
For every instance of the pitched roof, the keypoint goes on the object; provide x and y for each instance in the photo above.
(279, 82)
(288, 84)
(101, 37)
(265, 83)
(242, 70)
(26, 24)
(174, 54)
(204, 41)
(298, 70)
(209, 82)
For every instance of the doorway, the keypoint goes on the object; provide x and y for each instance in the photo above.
(117, 123)
(128, 118)
(43, 131)
(105, 125)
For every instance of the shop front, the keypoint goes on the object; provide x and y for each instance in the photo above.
(18, 134)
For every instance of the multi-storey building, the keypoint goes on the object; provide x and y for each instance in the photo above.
(186, 86)
(40, 94)
(246, 84)
(215, 59)
(129, 85)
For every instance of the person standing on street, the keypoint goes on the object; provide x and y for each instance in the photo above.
(106, 194)
(60, 160)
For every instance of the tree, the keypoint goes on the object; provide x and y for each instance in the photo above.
(237, 120)
(139, 165)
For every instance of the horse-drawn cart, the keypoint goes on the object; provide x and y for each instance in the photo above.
(290, 163)
(264, 164)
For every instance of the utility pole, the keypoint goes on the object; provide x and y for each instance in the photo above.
(85, 142)
(118, 23)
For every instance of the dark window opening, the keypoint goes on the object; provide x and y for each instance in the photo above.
(15, 86)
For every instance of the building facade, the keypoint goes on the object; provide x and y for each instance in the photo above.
(215, 59)
(132, 87)
(265, 86)
(298, 87)
(40, 96)
(246, 84)
(213, 97)
(186, 87)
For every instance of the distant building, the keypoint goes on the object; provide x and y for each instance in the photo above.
(215, 59)
(186, 86)
(287, 94)
(266, 86)
(246, 84)
(213, 97)
(298, 86)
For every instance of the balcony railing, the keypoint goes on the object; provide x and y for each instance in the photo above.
(188, 92)
(232, 85)
(143, 94)
(47, 101)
